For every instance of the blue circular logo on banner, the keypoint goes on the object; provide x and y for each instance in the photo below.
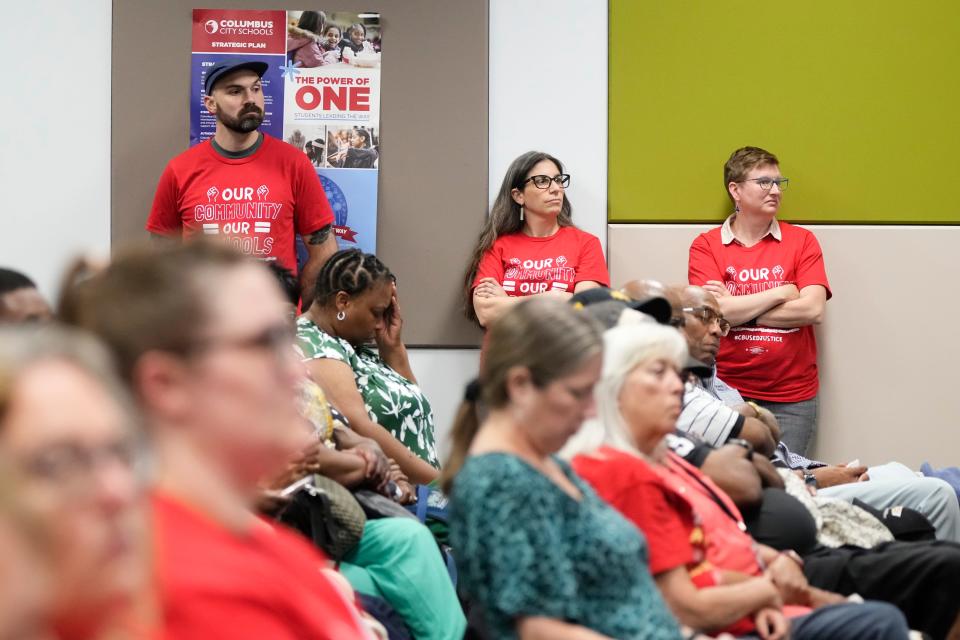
(338, 201)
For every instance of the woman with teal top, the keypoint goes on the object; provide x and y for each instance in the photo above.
(538, 553)
(355, 309)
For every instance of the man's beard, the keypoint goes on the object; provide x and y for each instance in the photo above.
(249, 119)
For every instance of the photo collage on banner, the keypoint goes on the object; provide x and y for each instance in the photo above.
(321, 95)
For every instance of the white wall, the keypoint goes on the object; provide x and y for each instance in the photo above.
(548, 91)
(55, 136)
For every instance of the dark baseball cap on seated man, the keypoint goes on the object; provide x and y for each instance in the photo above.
(607, 305)
(221, 69)
(656, 307)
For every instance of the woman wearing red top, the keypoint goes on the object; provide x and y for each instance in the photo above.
(769, 279)
(528, 245)
(712, 577)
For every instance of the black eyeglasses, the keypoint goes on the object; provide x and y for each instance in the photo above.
(706, 315)
(542, 182)
(767, 183)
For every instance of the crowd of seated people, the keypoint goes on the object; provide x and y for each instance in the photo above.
(184, 454)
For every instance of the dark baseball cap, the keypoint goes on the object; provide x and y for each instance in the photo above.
(221, 69)
(658, 308)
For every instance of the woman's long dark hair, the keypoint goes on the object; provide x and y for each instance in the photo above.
(504, 218)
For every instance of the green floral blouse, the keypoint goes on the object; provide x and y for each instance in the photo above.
(391, 400)
(526, 548)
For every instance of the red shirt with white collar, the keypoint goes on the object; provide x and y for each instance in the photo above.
(778, 365)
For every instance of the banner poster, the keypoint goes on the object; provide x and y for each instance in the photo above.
(321, 95)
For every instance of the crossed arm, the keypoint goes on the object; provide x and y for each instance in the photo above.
(490, 301)
(782, 307)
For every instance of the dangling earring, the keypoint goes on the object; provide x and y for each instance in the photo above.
(521, 213)
(341, 315)
(736, 207)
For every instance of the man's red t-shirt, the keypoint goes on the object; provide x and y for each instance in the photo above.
(266, 584)
(524, 265)
(778, 365)
(259, 202)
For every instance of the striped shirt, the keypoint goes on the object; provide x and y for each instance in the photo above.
(782, 456)
(707, 417)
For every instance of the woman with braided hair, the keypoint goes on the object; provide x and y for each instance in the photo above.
(356, 308)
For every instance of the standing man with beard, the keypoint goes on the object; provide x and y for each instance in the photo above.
(256, 190)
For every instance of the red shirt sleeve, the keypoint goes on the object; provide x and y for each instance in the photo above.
(703, 264)
(666, 523)
(811, 269)
(592, 267)
(164, 218)
(312, 210)
(491, 265)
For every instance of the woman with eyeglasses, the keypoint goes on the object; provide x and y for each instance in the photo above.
(769, 278)
(68, 432)
(529, 245)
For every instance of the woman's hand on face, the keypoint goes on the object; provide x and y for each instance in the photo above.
(716, 288)
(490, 288)
(390, 336)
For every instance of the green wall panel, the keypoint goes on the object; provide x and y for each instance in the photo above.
(860, 101)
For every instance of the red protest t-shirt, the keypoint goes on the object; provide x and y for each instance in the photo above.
(524, 265)
(628, 484)
(779, 365)
(672, 527)
(213, 583)
(259, 202)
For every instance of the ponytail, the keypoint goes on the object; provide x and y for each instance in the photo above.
(465, 428)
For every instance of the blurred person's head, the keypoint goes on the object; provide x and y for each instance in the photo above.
(312, 21)
(289, 285)
(353, 295)
(534, 185)
(26, 579)
(331, 36)
(704, 324)
(203, 335)
(20, 301)
(68, 429)
(640, 392)
(358, 33)
(543, 358)
(361, 139)
(751, 177)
